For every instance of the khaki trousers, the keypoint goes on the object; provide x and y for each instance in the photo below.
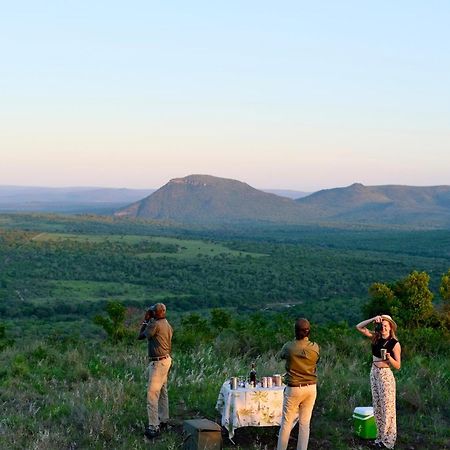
(298, 404)
(157, 397)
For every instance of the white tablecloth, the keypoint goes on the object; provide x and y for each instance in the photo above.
(249, 407)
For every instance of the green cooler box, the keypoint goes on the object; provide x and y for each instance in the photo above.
(364, 422)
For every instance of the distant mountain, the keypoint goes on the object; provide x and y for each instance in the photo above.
(208, 199)
(204, 199)
(71, 199)
(389, 205)
(287, 193)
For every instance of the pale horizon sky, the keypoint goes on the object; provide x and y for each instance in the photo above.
(294, 95)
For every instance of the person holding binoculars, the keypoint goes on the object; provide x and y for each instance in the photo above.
(158, 332)
(386, 353)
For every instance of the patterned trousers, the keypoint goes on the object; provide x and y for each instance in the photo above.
(382, 382)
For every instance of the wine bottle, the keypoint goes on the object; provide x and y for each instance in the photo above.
(252, 376)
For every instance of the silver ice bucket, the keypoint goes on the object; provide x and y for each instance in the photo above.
(277, 380)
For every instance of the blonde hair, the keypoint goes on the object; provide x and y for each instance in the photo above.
(377, 335)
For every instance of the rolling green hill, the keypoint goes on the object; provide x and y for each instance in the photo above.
(207, 199)
(203, 199)
(389, 205)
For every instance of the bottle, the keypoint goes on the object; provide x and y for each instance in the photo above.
(252, 376)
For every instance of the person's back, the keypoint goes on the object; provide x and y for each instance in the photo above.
(301, 357)
(159, 335)
(301, 361)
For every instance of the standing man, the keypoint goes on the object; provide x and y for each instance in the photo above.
(158, 332)
(301, 357)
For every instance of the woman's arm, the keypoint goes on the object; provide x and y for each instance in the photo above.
(396, 359)
(361, 327)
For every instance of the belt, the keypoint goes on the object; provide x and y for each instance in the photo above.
(157, 358)
(311, 383)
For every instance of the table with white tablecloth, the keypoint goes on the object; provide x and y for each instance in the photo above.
(250, 406)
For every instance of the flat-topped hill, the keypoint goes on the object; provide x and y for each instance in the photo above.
(208, 199)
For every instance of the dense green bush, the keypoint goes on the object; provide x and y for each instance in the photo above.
(114, 324)
(5, 341)
(408, 300)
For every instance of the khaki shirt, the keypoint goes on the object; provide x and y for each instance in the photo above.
(301, 361)
(159, 335)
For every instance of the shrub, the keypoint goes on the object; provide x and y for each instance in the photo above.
(114, 325)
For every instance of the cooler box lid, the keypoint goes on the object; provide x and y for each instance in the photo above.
(363, 412)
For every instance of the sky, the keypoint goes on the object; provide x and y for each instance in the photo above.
(282, 95)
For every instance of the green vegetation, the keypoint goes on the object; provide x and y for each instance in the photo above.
(68, 383)
(445, 291)
(61, 391)
(323, 272)
(152, 246)
(410, 300)
(114, 324)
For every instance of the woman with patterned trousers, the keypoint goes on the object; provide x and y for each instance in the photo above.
(386, 353)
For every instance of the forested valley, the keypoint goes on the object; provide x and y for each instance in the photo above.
(52, 267)
(232, 294)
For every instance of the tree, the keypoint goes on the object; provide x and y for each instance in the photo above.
(382, 300)
(114, 324)
(194, 331)
(220, 319)
(414, 305)
(444, 290)
(408, 300)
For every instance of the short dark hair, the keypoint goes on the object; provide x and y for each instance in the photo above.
(302, 328)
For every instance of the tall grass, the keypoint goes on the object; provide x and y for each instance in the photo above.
(72, 394)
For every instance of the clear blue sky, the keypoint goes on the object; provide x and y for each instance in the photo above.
(300, 95)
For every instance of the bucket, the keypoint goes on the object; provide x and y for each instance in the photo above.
(276, 380)
(234, 383)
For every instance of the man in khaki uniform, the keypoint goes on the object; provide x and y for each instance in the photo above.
(301, 357)
(158, 332)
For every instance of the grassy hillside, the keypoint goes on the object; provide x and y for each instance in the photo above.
(389, 205)
(205, 199)
(62, 391)
(62, 385)
(167, 246)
